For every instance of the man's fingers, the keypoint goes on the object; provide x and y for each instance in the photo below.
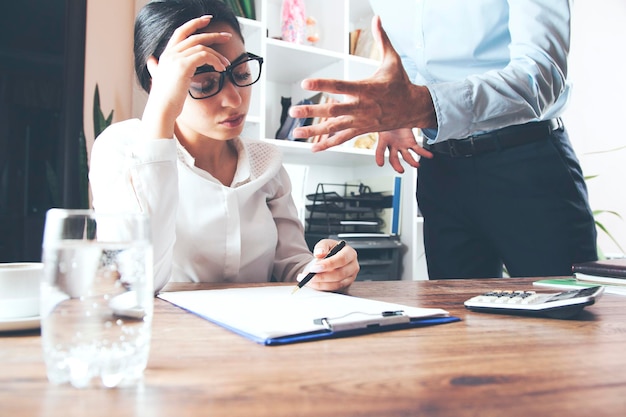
(423, 152)
(409, 157)
(309, 110)
(381, 147)
(331, 86)
(336, 125)
(334, 110)
(334, 140)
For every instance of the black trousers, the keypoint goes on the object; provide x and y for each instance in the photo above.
(523, 207)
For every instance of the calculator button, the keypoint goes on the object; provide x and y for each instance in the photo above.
(488, 297)
(530, 299)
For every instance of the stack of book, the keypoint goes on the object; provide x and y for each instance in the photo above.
(610, 273)
(361, 43)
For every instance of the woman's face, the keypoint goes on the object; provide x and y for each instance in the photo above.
(221, 116)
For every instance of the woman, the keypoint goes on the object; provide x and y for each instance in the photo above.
(220, 206)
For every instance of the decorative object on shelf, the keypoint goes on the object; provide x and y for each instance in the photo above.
(293, 21)
(312, 30)
(288, 123)
(285, 131)
(366, 141)
(362, 42)
(285, 103)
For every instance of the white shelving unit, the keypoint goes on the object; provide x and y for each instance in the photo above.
(286, 65)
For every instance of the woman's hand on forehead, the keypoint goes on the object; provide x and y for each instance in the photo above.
(172, 73)
(191, 43)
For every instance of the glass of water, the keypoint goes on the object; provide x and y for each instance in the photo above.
(96, 297)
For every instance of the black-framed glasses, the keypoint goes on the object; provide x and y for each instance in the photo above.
(206, 82)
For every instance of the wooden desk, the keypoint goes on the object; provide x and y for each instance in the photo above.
(485, 365)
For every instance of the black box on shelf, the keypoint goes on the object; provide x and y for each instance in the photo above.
(352, 212)
(346, 208)
(380, 257)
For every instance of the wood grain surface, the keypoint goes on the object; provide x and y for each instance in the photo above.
(484, 365)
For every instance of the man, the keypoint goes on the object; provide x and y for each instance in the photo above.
(485, 81)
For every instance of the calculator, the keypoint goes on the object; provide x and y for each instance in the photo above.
(561, 305)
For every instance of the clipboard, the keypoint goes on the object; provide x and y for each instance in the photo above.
(271, 315)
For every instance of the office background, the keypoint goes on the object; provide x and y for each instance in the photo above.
(593, 117)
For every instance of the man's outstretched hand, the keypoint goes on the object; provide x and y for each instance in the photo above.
(385, 101)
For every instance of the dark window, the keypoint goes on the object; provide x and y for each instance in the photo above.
(41, 101)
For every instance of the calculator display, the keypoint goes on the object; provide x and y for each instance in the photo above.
(572, 294)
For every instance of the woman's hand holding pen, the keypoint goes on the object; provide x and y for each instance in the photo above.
(332, 273)
(171, 74)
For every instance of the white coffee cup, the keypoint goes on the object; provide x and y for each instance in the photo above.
(19, 289)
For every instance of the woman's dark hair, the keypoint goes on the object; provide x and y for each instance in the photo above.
(157, 21)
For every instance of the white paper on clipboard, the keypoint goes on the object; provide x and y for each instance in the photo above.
(270, 312)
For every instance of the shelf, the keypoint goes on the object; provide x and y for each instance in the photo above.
(253, 33)
(290, 63)
(342, 155)
(300, 153)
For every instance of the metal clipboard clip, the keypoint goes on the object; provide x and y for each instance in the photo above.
(360, 320)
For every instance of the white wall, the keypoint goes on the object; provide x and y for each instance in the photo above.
(109, 59)
(596, 115)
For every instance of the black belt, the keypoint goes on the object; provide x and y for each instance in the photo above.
(507, 137)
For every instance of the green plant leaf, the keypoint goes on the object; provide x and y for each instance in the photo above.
(248, 8)
(619, 148)
(99, 121)
(99, 124)
(605, 230)
(83, 171)
(599, 212)
(596, 213)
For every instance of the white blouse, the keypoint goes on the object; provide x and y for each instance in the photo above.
(202, 231)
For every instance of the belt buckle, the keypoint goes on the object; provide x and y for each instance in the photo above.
(455, 153)
(473, 145)
(452, 148)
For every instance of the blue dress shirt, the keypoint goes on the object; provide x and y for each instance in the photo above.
(487, 63)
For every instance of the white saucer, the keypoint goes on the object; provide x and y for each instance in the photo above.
(21, 323)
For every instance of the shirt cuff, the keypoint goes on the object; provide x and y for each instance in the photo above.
(453, 107)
